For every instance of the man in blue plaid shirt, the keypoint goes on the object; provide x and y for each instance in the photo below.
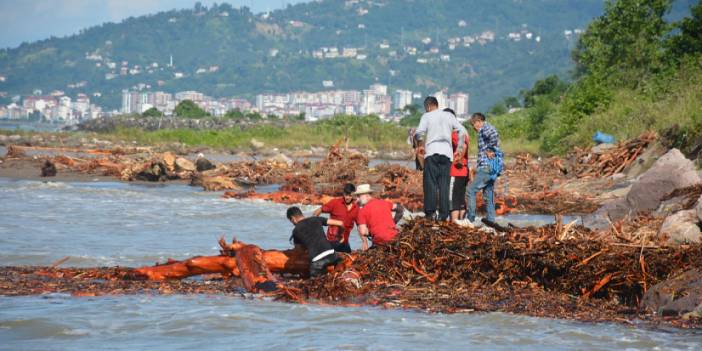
(488, 143)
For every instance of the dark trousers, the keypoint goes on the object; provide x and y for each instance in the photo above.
(319, 267)
(437, 169)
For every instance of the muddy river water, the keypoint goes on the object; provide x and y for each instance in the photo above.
(111, 223)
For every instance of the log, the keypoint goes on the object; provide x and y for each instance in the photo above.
(253, 270)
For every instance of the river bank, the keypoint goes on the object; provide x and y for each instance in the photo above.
(637, 238)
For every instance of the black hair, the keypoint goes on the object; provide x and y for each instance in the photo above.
(431, 101)
(477, 117)
(451, 111)
(293, 211)
(349, 189)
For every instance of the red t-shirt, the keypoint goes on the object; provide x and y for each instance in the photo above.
(337, 210)
(377, 216)
(463, 171)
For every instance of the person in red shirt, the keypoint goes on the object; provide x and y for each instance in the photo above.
(344, 209)
(459, 175)
(375, 218)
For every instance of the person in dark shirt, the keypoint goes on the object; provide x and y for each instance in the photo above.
(309, 233)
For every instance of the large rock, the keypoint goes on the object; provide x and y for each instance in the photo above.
(169, 159)
(184, 165)
(218, 183)
(202, 164)
(677, 296)
(257, 144)
(670, 172)
(681, 228)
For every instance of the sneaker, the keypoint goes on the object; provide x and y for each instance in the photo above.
(465, 223)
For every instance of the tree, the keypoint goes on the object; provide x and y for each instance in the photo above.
(152, 112)
(624, 44)
(189, 109)
(234, 114)
(550, 87)
(412, 115)
(689, 40)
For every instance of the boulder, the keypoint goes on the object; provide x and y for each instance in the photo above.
(48, 169)
(202, 164)
(698, 209)
(218, 183)
(677, 296)
(670, 206)
(3, 138)
(184, 165)
(670, 172)
(169, 159)
(681, 228)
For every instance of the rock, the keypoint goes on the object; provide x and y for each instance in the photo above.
(645, 160)
(3, 138)
(670, 206)
(202, 164)
(698, 209)
(670, 172)
(677, 296)
(257, 144)
(169, 160)
(184, 165)
(14, 137)
(681, 228)
(48, 169)
(281, 158)
(218, 183)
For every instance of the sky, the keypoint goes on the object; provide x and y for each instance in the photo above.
(31, 20)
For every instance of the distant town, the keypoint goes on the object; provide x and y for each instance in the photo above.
(56, 107)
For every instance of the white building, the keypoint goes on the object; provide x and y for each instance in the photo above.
(402, 98)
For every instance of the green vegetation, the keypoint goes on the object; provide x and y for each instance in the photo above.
(189, 109)
(152, 112)
(367, 132)
(634, 72)
(241, 46)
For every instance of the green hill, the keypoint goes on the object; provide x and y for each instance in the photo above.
(237, 52)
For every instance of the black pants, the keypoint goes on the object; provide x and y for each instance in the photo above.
(319, 267)
(437, 169)
(341, 247)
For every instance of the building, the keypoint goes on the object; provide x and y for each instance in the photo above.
(459, 103)
(402, 98)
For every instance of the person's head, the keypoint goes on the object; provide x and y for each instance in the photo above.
(477, 120)
(450, 111)
(349, 189)
(363, 192)
(294, 214)
(430, 104)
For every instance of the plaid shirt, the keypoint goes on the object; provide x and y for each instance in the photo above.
(487, 138)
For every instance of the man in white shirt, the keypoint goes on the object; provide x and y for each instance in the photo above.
(434, 131)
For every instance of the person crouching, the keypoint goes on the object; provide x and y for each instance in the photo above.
(309, 234)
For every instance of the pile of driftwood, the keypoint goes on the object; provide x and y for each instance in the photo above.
(609, 161)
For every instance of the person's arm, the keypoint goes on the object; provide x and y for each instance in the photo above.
(492, 141)
(335, 222)
(399, 212)
(421, 129)
(317, 212)
(462, 132)
(363, 233)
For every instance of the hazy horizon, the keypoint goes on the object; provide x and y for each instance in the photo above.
(32, 20)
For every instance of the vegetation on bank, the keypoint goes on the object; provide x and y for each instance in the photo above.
(634, 72)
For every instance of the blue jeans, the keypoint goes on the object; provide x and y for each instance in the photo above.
(482, 182)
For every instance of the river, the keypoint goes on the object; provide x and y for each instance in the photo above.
(111, 223)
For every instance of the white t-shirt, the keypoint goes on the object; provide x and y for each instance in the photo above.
(435, 127)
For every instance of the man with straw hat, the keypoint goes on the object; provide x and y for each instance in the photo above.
(375, 218)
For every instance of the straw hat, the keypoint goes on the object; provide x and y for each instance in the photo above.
(363, 189)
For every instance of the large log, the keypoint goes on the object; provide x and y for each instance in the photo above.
(294, 261)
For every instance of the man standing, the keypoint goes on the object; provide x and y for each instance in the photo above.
(345, 210)
(435, 130)
(488, 146)
(309, 234)
(459, 175)
(375, 218)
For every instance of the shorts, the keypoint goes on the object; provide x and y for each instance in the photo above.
(458, 193)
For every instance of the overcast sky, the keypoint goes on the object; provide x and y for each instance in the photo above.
(30, 20)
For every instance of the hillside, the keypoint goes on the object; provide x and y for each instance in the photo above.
(419, 45)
